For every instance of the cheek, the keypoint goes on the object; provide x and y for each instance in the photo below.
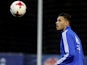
(61, 25)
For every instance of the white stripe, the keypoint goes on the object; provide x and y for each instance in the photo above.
(78, 44)
(62, 59)
(66, 47)
(65, 41)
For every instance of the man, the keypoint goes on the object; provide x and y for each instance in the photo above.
(70, 46)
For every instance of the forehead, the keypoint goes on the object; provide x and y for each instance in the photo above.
(60, 17)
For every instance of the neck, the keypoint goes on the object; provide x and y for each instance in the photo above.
(65, 27)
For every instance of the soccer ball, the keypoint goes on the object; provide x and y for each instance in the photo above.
(18, 8)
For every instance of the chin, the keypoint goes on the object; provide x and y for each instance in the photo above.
(58, 29)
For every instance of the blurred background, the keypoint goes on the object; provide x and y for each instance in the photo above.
(19, 35)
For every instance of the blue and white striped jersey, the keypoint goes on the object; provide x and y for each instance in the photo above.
(70, 48)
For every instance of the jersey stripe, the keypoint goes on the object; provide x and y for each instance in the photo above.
(66, 48)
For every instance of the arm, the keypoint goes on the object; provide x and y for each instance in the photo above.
(69, 49)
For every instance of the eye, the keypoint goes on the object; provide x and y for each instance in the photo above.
(59, 20)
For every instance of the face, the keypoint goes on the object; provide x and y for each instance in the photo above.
(61, 23)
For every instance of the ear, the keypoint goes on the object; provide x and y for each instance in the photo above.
(67, 22)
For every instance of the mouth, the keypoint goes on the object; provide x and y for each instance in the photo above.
(56, 27)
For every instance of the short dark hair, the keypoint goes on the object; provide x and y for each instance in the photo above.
(66, 16)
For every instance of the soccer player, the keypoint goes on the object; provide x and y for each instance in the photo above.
(70, 45)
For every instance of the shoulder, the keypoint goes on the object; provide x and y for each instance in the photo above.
(69, 33)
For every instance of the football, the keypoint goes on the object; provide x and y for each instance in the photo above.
(18, 8)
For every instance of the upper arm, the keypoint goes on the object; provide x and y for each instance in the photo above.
(69, 43)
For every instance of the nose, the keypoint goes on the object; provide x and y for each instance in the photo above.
(57, 22)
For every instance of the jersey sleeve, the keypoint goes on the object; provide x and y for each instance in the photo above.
(69, 48)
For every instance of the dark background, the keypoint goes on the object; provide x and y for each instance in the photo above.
(20, 34)
(78, 11)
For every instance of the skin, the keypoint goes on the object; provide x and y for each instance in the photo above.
(61, 23)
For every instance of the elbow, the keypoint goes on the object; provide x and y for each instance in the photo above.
(69, 59)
